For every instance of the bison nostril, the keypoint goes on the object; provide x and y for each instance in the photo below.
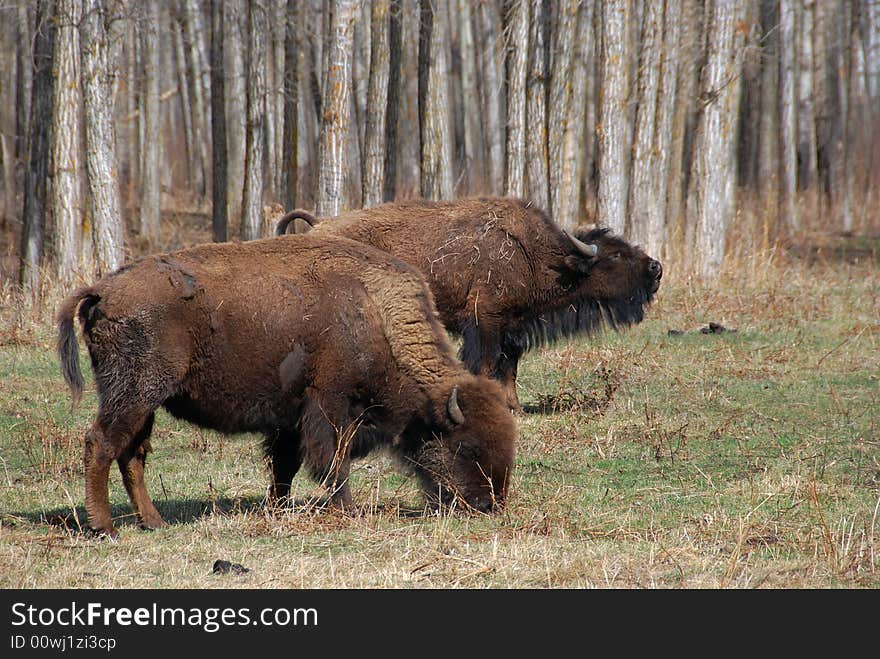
(656, 268)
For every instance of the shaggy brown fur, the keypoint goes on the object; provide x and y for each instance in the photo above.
(504, 276)
(326, 346)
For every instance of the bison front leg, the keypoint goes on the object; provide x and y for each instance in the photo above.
(484, 352)
(285, 458)
(328, 433)
(505, 371)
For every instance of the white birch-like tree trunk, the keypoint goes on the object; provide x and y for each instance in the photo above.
(336, 108)
(472, 137)
(196, 63)
(234, 20)
(537, 158)
(219, 159)
(150, 203)
(562, 53)
(690, 47)
(613, 125)
(194, 171)
(788, 114)
(377, 92)
(98, 79)
(252, 196)
(517, 58)
(574, 152)
(436, 146)
(643, 200)
(489, 47)
(710, 205)
(768, 149)
(806, 118)
(67, 210)
(290, 150)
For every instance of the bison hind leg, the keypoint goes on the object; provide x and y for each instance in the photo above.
(131, 463)
(118, 437)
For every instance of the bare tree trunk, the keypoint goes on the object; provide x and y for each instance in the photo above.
(392, 107)
(711, 200)
(193, 169)
(66, 195)
(562, 54)
(234, 18)
(613, 138)
(252, 196)
(291, 101)
(823, 104)
(490, 48)
(220, 163)
(37, 172)
(277, 95)
(129, 144)
(193, 30)
(690, 42)
(571, 211)
(788, 116)
(842, 171)
(23, 81)
(768, 160)
(472, 139)
(650, 141)
(536, 109)
(330, 196)
(806, 118)
(517, 21)
(436, 147)
(98, 76)
(377, 92)
(150, 187)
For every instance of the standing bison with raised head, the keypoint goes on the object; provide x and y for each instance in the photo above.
(505, 277)
(326, 346)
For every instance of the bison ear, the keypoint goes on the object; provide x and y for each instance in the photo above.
(578, 264)
(452, 408)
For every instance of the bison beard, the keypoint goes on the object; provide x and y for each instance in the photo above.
(505, 277)
(327, 347)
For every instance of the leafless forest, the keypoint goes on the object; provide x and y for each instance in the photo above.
(660, 119)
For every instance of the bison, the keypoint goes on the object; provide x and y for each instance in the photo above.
(327, 347)
(505, 277)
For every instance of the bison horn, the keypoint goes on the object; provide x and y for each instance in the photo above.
(452, 407)
(587, 249)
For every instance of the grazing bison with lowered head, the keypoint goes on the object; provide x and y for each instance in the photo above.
(505, 277)
(326, 346)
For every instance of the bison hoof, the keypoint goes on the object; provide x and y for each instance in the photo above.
(152, 524)
(109, 533)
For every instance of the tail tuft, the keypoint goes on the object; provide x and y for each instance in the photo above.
(68, 350)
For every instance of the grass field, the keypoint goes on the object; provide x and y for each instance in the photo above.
(647, 459)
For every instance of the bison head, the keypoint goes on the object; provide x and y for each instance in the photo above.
(608, 276)
(469, 456)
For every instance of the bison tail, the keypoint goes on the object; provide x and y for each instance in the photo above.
(284, 222)
(68, 350)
